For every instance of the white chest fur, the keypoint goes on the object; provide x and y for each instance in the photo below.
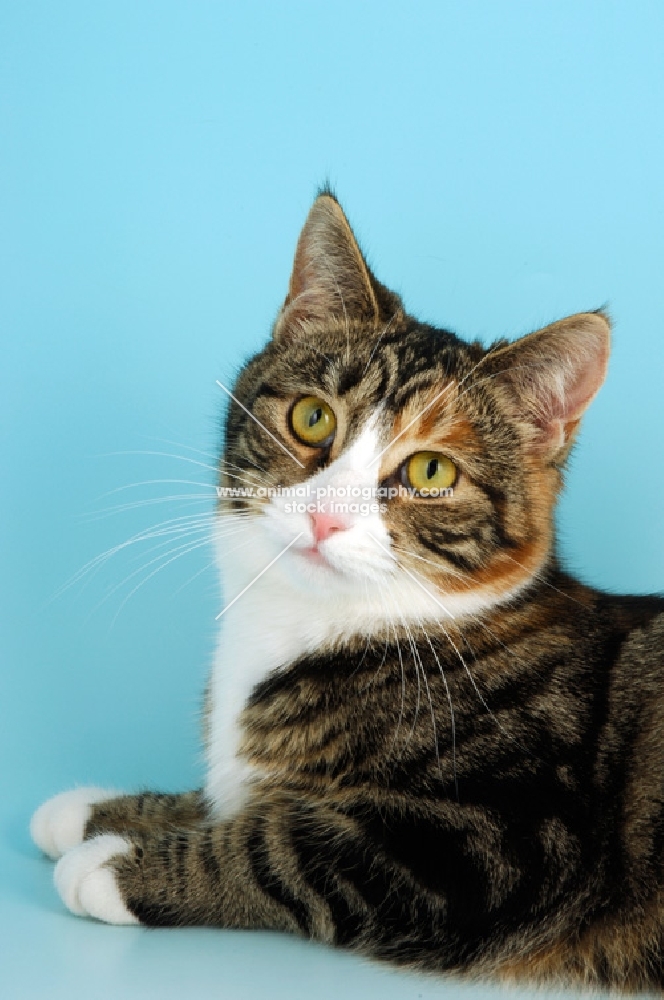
(274, 621)
(267, 628)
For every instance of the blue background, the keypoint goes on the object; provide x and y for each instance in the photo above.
(503, 165)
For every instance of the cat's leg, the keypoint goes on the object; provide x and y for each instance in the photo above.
(225, 874)
(356, 875)
(282, 865)
(65, 820)
(146, 812)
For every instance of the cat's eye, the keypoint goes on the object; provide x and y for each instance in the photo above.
(313, 421)
(428, 471)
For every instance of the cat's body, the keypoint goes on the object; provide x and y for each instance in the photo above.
(424, 740)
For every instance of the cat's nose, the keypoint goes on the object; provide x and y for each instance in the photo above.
(324, 525)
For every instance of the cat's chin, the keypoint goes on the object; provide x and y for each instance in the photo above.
(311, 566)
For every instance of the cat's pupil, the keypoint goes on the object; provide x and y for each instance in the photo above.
(432, 468)
(315, 416)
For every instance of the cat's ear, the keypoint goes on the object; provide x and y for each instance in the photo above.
(555, 374)
(330, 277)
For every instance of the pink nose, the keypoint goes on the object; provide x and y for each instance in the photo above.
(324, 525)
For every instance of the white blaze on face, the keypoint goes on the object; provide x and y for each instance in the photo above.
(346, 490)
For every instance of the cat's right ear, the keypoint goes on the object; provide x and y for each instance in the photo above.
(331, 279)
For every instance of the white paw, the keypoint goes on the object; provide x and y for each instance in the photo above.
(58, 824)
(87, 886)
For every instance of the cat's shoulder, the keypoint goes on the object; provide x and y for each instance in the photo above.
(631, 612)
(638, 621)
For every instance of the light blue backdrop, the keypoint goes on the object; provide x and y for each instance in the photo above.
(503, 164)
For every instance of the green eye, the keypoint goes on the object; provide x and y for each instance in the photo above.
(312, 421)
(429, 470)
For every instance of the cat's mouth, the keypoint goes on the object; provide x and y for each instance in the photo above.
(314, 556)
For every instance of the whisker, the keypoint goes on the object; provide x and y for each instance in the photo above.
(391, 625)
(182, 499)
(417, 657)
(240, 468)
(227, 531)
(542, 579)
(187, 447)
(161, 454)
(467, 669)
(151, 562)
(191, 548)
(417, 677)
(185, 533)
(195, 576)
(153, 482)
(449, 700)
(453, 644)
(468, 614)
(252, 483)
(169, 526)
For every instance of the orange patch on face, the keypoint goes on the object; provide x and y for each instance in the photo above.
(509, 569)
(506, 572)
(430, 423)
(425, 411)
(512, 568)
(433, 422)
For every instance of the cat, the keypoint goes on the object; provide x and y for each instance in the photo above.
(425, 740)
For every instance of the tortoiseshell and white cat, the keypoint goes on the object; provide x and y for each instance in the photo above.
(425, 741)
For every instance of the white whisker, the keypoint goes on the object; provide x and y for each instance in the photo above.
(153, 482)
(162, 555)
(187, 447)
(449, 700)
(418, 659)
(169, 526)
(224, 461)
(195, 576)
(392, 626)
(182, 499)
(191, 548)
(161, 454)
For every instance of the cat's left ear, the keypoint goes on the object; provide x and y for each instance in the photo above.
(554, 375)
(331, 279)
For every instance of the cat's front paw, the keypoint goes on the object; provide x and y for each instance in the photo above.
(59, 824)
(87, 881)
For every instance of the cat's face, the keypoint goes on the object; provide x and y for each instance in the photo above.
(391, 457)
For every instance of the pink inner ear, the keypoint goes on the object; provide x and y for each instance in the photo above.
(557, 371)
(589, 373)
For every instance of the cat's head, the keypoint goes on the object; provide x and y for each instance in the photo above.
(392, 457)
